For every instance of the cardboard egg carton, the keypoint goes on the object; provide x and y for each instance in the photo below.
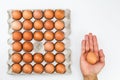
(39, 45)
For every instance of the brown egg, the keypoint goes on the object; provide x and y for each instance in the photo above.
(49, 68)
(49, 35)
(38, 57)
(92, 58)
(16, 57)
(49, 25)
(37, 14)
(60, 68)
(16, 14)
(38, 68)
(38, 24)
(17, 36)
(49, 14)
(27, 68)
(38, 35)
(27, 25)
(59, 35)
(27, 57)
(16, 68)
(16, 25)
(17, 46)
(59, 25)
(59, 14)
(59, 46)
(49, 46)
(27, 35)
(27, 46)
(60, 57)
(49, 57)
(27, 14)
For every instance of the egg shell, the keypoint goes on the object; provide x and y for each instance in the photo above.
(49, 14)
(59, 35)
(27, 46)
(92, 58)
(38, 68)
(27, 14)
(59, 25)
(37, 14)
(16, 68)
(38, 35)
(60, 68)
(49, 35)
(59, 57)
(27, 57)
(49, 46)
(49, 68)
(59, 14)
(17, 46)
(16, 14)
(16, 57)
(48, 24)
(27, 24)
(17, 36)
(38, 24)
(27, 68)
(49, 57)
(38, 57)
(59, 46)
(16, 25)
(27, 35)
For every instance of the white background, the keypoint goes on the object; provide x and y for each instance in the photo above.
(101, 17)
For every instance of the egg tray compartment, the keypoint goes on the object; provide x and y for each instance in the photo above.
(39, 45)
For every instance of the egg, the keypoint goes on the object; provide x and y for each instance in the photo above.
(16, 68)
(49, 68)
(59, 25)
(27, 14)
(59, 14)
(27, 46)
(17, 46)
(27, 57)
(37, 14)
(38, 24)
(49, 46)
(16, 57)
(27, 25)
(49, 35)
(49, 14)
(49, 57)
(92, 58)
(16, 25)
(27, 68)
(59, 46)
(38, 35)
(27, 36)
(60, 68)
(60, 58)
(59, 35)
(38, 58)
(49, 24)
(17, 36)
(38, 68)
(16, 14)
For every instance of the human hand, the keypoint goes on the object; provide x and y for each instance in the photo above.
(90, 71)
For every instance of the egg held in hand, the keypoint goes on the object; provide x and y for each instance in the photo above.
(92, 58)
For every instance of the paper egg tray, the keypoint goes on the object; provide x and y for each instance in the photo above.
(39, 45)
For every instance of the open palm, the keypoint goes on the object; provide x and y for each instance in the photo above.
(90, 44)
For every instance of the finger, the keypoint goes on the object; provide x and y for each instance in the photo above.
(95, 45)
(91, 42)
(83, 46)
(87, 43)
(102, 56)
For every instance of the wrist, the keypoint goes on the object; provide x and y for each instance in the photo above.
(90, 77)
